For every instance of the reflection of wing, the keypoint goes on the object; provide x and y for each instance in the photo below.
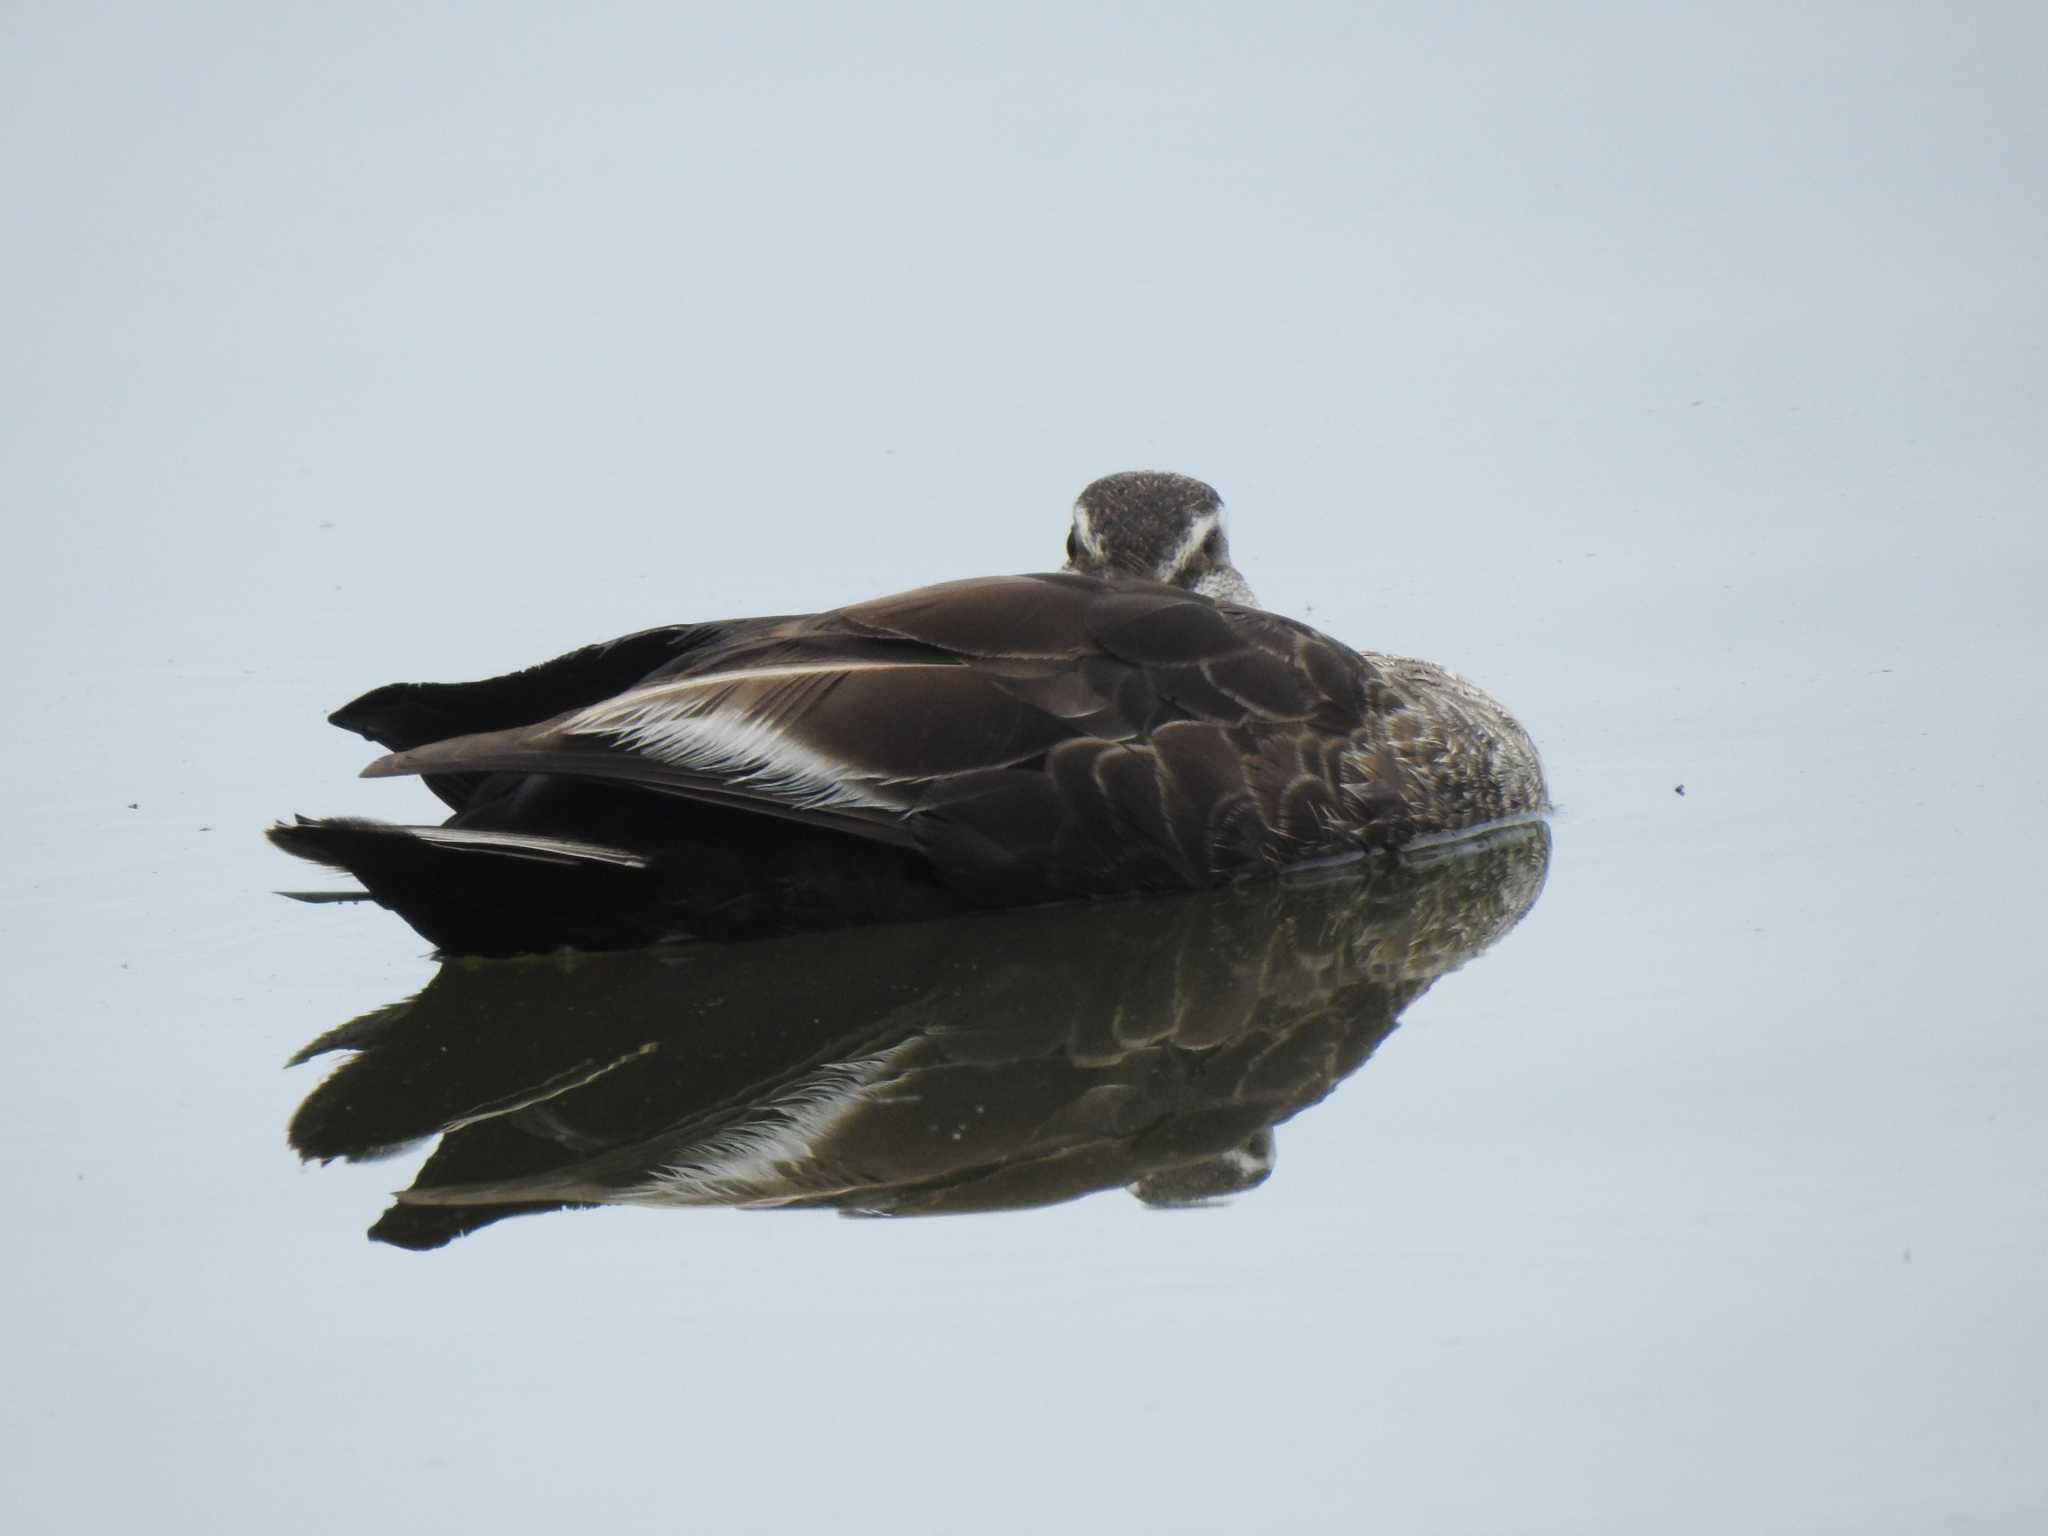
(974, 1064)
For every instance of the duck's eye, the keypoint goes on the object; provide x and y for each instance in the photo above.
(1073, 545)
(1212, 546)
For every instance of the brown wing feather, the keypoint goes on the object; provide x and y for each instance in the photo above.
(1083, 734)
(988, 616)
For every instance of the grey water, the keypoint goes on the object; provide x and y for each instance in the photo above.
(1676, 375)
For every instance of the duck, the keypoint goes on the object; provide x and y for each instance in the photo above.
(1129, 723)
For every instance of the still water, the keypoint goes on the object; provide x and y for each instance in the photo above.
(1675, 1166)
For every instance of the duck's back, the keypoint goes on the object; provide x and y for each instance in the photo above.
(991, 742)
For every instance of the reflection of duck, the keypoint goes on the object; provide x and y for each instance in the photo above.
(994, 742)
(978, 1063)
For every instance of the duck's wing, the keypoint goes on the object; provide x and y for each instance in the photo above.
(1009, 717)
(1206, 740)
(399, 716)
(839, 719)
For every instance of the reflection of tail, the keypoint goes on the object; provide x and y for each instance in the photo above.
(481, 892)
(1208, 1179)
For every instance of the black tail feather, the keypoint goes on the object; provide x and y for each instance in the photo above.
(401, 716)
(490, 894)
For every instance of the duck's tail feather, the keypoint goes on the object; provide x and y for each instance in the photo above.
(340, 841)
(479, 892)
(400, 716)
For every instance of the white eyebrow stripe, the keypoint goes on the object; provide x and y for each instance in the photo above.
(1084, 527)
(1198, 530)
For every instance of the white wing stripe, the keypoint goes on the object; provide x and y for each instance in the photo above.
(550, 850)
(774, 1156)
(682, 687)
(727, 745)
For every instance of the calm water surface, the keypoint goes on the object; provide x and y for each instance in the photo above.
(1679, 380)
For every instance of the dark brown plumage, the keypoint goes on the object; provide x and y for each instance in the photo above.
(993, 742)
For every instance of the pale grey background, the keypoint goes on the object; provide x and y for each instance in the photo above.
(1678, 371)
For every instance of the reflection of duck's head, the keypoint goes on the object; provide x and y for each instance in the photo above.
(1211, 1178)
(1162, 526)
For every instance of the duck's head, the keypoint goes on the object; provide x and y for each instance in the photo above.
(1162, 526)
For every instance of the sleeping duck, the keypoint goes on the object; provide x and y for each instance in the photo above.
(1130, 723)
